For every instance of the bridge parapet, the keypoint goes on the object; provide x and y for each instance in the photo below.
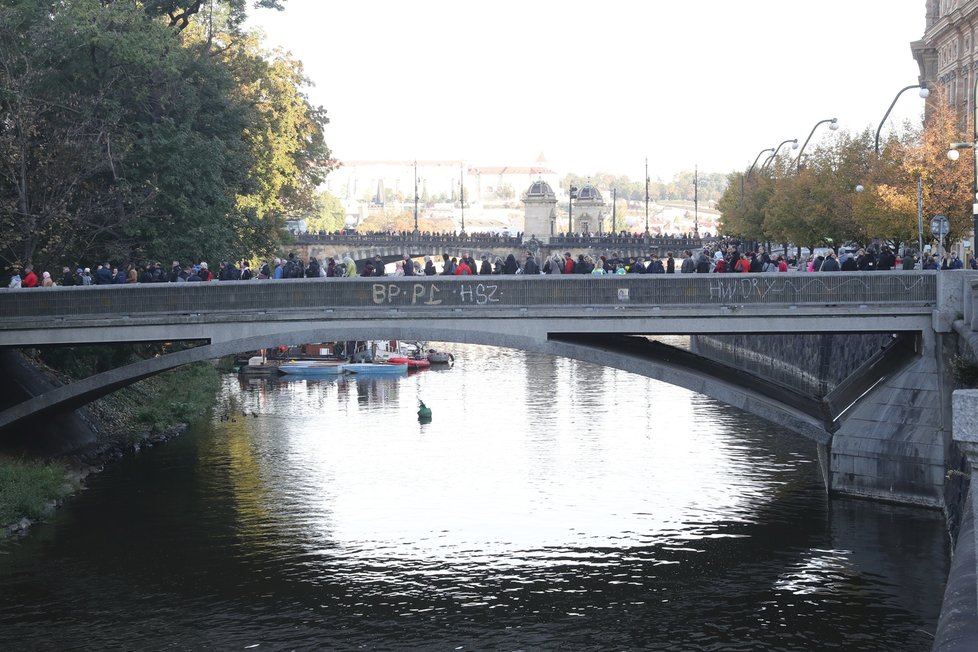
(840, 290)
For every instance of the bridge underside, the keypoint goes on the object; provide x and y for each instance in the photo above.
(812, 417)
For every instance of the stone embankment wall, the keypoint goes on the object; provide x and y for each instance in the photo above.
(812, 364)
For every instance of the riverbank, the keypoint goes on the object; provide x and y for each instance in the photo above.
(145, 414)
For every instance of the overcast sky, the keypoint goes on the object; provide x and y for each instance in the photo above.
(598, 86)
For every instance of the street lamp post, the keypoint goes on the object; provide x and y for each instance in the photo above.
(415, 197)
(953, 154)
(571, 196)
(833, 125)
(461, 193)
(646, 196)
(924, 92)
(749, 170)
(794, 145)
(696, 200)
(614, 210)
(752, 165)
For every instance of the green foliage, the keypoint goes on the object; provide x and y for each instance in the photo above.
(180, 14)
(84, 361)
(27, 487)
(122, 137)
(327, 214)
(182, 395)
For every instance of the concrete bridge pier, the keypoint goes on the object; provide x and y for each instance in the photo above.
(891, 444)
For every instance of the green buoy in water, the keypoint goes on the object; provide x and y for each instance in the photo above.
(424, 412)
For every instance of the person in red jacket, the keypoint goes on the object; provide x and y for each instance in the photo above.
(742, 265)
(462, 268)
(30, 278)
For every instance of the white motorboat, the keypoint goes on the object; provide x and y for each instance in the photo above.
(385, 368)
(312, 367)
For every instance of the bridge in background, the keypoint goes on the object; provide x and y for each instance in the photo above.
(393, 247)
(882, 433)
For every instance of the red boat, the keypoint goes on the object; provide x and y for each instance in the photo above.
(412, 363)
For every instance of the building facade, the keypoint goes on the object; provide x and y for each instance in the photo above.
(947, 54)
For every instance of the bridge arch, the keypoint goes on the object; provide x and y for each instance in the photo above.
(634, 354)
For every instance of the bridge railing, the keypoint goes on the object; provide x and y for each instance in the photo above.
(836, 290)
(677, 244)
(475, 241)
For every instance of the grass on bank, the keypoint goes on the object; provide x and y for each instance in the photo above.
(179, 396)
(27, 488)
(152, 405)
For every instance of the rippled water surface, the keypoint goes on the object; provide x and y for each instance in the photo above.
(548, 505)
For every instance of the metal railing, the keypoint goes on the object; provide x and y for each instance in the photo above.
(913, 289)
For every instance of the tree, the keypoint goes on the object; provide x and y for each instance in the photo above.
(179, 14)
(68, 124)
(144, 145)
(328, 214)
(946, 184)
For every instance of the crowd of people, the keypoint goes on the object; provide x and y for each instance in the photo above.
(724, 257)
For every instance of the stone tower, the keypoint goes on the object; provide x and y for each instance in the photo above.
(540, 213)
(588, 210)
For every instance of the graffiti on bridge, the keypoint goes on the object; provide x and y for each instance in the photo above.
(426, 294)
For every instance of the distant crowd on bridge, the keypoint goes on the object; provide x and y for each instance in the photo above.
(723, 257)
(485, 238)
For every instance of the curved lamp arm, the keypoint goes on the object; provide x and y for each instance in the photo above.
(751, 168)
(833, 125)
(778, 149)
(924, 92)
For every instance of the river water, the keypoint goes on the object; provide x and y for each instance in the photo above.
(548, 505)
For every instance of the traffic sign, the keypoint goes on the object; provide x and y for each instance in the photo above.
(939, 226)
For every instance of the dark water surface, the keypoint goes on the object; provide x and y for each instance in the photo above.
(549, 505)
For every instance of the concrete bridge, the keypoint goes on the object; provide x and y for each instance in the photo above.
(393, 247)
(882, 433)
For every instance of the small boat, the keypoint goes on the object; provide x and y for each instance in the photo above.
(312, 368)
(259, 366)
(375, 368)
(440, 357)
(412, 363)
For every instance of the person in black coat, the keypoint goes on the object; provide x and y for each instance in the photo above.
(448, 267)
(485, 267)
(510, 266)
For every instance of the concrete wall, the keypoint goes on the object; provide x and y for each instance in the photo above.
(892, 443)
(813, 364)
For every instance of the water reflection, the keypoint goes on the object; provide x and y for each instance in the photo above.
(548, 504)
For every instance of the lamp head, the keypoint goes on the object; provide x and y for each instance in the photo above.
(924, 91)
(953, 154)
(794, 144)
(859, 188)
(834, 124)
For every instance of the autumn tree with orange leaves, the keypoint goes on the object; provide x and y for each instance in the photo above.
(818, 205)
(889, 207)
